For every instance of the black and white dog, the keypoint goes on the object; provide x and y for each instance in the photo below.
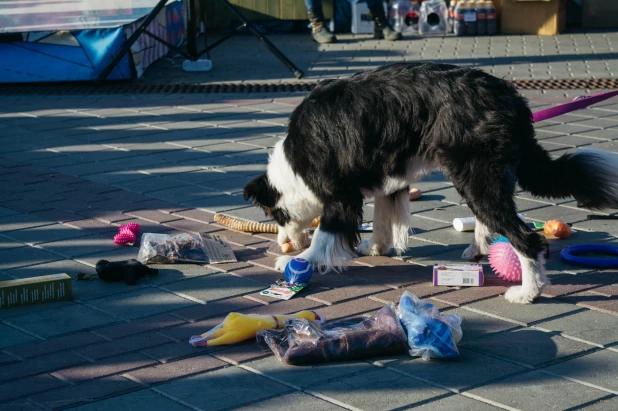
(373, 134)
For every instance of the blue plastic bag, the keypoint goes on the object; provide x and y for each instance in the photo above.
(430, 335)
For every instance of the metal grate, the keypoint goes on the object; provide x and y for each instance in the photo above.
(143, 88)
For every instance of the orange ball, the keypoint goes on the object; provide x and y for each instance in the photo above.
(287, 248)
(557, 228)
(415, 194)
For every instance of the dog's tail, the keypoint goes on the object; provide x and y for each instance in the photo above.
(590, 176)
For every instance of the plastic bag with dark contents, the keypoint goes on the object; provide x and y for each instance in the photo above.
(430, 334)
(306, 342)
(167, 249)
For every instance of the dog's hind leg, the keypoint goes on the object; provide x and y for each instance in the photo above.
(494, 208)
(390, 224)
(336, 236)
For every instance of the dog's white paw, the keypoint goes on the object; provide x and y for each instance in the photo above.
(282, 262)
(520, 295)
(471, 253)
(366, 248)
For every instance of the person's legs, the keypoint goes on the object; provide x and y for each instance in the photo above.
(319, 32)
(381, 28)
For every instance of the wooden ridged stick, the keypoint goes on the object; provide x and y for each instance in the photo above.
(252, 226)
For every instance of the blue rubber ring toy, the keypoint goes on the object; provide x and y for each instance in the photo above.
(569, 255)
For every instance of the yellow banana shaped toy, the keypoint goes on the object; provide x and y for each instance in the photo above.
(240, 327)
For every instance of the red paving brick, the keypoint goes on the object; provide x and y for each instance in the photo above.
(29, 386)
(401, 277)
(264, 260)
(85, 393)
(177, 369)
(103, 368)
(39, 365)
(160, 205)
(55, 345)
(138, 326)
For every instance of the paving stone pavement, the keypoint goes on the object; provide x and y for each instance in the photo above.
(74, 168)
(242, 59)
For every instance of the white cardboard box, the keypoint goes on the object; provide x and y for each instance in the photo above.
(362, 20)
(458, 275)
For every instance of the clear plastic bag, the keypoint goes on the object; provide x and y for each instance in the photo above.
(307, 342)
(430, 334)
(167, 249)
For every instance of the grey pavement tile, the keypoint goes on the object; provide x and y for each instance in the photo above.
(296, 401)
(530, 347)
(217, 204)
(11, 337)
(599, 369)
(223, 389)
(46, 234)
(591, 326)
(136, 400)
(20, 221)
(610, 403)
(118, 253)
(142, 302)
(542, 309)
(184, 193)
(88, 244)
(535, 390)
(214, 287)
(388, 390)
(470, 370)
(60, 320)
(308, 376)
(148, 184)
(455, 403)
(5, 212)
(6, 243)
(475, 325)
(24, 256)
(170, 273)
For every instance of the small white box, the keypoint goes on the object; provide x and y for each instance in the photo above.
(362, 20)
(458, 275)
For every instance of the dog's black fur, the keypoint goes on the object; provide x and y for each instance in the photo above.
(348, 135)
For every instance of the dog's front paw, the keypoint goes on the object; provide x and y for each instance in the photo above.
(520, 295)
(471, 254)
(282, 262)
(366, 248)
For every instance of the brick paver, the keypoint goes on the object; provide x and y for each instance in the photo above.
(74, 168)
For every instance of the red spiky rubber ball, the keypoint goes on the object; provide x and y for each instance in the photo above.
(125, 236)
(504, 261)
(133, 227)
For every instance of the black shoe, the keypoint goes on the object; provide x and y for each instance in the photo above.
(128, 271)
(319, 32)
(381, 28)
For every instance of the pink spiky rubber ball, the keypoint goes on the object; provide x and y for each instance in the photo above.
(133, 227)
(125, 236)
(504, 261)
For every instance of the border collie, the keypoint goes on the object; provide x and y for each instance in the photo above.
(375, 133)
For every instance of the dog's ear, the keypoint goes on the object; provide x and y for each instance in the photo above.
(262, 193)
(256, 188)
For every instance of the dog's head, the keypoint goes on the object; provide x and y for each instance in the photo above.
(265, 196)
